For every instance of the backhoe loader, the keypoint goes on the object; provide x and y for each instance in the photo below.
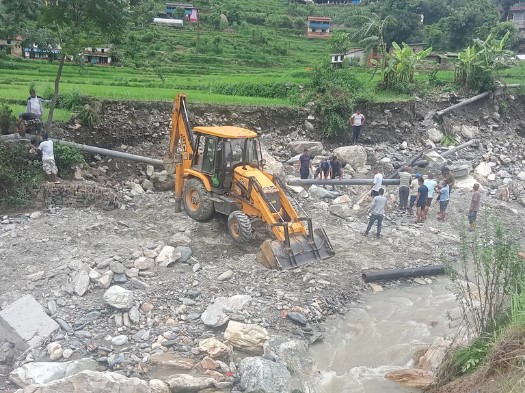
(220, 169)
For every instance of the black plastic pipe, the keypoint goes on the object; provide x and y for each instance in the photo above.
(392, 274)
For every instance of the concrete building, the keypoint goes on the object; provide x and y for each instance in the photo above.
(318, 27)
(187, 11)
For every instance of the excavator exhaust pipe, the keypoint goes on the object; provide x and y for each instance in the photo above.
(296, 250)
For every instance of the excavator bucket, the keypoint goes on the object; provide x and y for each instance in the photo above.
(300, 251)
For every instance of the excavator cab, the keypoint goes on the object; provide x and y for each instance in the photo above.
(220, 169)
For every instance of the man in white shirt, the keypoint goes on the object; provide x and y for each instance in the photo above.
(405, 178)
(377, 212)
(34, 103)
(48, 159)
(378, 181)
(356, 121)
(431, 184)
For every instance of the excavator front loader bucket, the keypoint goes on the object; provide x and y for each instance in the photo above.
(299, 251)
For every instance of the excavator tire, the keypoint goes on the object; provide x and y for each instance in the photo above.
(240, 227)
(197, 200)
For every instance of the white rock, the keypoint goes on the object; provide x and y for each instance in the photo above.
(144, 263)
(158, 386)
(105, 281)
(314, 148)
(119, 340)
(136, 189)
(483, 169)
(81, 282)
(188, 383)
(521, 176)
(434, 135)
(225, 275)
(470, 132)
(246, 337)
(67, 353)
(118, 297)
(35, 215)
(167, 256)
(150, 170)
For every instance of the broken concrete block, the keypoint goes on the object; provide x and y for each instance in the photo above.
(25, 323)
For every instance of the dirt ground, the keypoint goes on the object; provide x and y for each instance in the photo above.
(40, 252)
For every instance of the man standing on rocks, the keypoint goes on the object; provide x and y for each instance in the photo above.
(414, 185)
(404, 184)
(444, 198)
(474, 206)
(421, 201)
(356, 121)
(377, 212)
(378, 181)
(431, 185)
(306, 164)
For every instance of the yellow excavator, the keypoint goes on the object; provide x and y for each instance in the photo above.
(220, 169)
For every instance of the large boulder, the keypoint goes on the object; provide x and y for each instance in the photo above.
(342, 206)
(292, 353)
(433, 358)
(170, 360)
(412, 377)
(119, 297)
(352, 155)
(246, 337)
(91, 382)
(314, 148)
(264, 376)
(44, 372)
(321, 192)
(185, 383)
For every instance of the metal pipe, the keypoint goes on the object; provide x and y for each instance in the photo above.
(462, 103)
(392, 274)
(343, 182)
(458, 148)
(410, 162)
(112, 153)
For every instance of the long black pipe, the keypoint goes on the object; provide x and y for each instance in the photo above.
(392, 274)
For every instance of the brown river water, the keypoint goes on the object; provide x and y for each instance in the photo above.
(380, 335)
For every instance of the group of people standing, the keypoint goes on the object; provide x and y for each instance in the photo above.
(415, 190)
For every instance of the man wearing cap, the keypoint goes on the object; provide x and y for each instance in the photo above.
(414, 185)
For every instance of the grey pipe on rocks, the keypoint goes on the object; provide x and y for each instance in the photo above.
(343, 182)
(112, 153)
(392, 274)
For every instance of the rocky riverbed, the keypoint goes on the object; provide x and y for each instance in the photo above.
(142, 293)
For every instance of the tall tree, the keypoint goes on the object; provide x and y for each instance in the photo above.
(506, 5)
(75, 24)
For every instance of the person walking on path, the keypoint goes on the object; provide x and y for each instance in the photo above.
(414, 185)
(48, 159)
(378, 181)
(474, 206)
(404, 185)
(421, 201)
(356, 121)
(35, 104)
(377, 212)
(444, 198)
(431, 184)
(306, 164)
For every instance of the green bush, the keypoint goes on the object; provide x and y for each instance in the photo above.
(72, 100)
(89, 114)
(19, 173)
(66, 157)
(7, 119)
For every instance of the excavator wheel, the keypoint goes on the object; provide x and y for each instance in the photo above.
(240, 227)
(197, 200)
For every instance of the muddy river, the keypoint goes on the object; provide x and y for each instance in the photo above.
(381, 335)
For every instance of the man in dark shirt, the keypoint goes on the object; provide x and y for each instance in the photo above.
(306, 164)
(421, 201)
(337, 169)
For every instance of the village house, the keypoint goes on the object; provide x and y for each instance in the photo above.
(318, 27)
(98, 55)
(12, 46)
(188, 12)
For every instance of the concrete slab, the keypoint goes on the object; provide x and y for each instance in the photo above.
(25, 323)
